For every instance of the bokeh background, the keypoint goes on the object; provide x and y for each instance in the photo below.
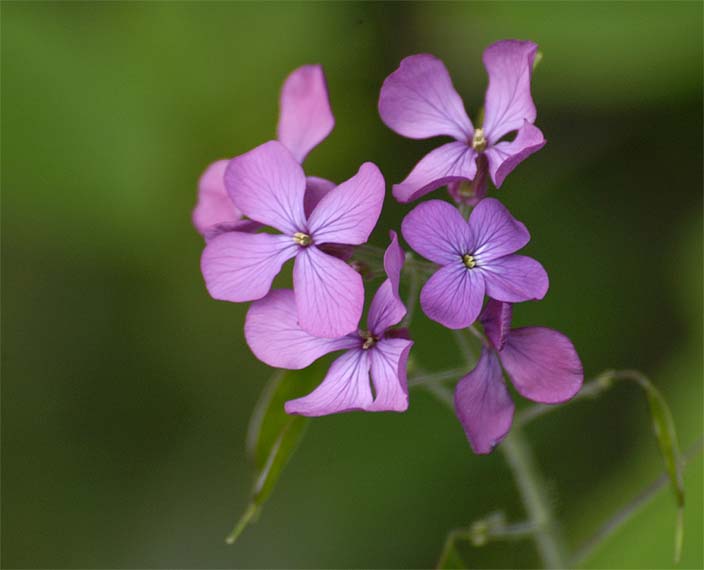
(126, 390)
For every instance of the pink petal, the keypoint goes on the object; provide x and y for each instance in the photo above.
(243, 225)
(543, 364)
(515, 278)
(329, 294)
(305, 118)
(240, 267)
(387, 309)
(345, 388)
(483, 404)
(268, 185)
(496, 231)
(349, 213)
(418, 101)
(453, 296)
(496, 320)
(214, 205)
(505, 156)
(508, 102)
(438, 232)
(389, 359)
(316, 188)
(448, 163)
(275, 337)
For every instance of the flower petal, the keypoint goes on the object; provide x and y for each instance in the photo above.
(496, 320)
(448, 163)
(275, 337)
(243, 225)
(389, 359)
(418, 101)
(387, 309)
(214, 205)
(496, 231)
(268, 185)
(349, 213)
(240, 267)
(316, 188)
(505, 156)
(329, 294)
(453, 296)
(483, 404)
(543, 364)
(305, 118)
(515, 278)
(508, 102)
(345, 388)
(438, 232)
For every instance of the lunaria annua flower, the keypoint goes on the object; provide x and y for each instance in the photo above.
(542, 364)
(276, 338)
(268, 186)
(477, 257)
(418, 101)
(305, 119)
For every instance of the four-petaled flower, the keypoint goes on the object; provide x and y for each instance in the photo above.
(477, 258)
(418, 101)
(541, 362)
(268, 186)
(276, 338)
(305, 119)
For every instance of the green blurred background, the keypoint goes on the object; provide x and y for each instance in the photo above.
(127, 391)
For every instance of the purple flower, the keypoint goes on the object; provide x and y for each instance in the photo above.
(305, 119)
(276, 338)
(542, 364)
(477, 257)
(268, 186)
(418, 101)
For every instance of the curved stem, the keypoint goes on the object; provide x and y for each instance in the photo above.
(531, 488)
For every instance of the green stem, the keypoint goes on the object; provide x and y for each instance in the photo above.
(531, 488)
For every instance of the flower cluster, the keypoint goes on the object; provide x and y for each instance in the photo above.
(259, 210)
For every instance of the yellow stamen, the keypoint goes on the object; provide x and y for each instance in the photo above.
(369, 340)
(302, 239)
(468, 261)
(478, 140)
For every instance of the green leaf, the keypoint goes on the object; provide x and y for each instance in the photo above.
(273, 436)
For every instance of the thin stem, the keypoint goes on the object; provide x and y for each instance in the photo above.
(420, 379)
(412, 295)
(531, 488)
(630, 509)
(463, 344)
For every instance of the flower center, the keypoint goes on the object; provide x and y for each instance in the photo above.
(302, 239)
(478, 140)
(469, 261)
(369, 339)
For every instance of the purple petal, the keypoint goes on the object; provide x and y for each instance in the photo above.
(275, 337)
(505, 156)
(240, 267)
(243, 225)
(496, 320)
(483, 404)
(387, 309)
(214, 205)
(305, 118)
(345, 388)
(496, 231)
(464, 192)
(349, 213)
(438, 232)
(316, 188)
(508, 102)
(515, 278)
(268, 185)
(453, 296)
(389, 359)
(329, 294)
(543, 364)
(448, 163)
(418, 101)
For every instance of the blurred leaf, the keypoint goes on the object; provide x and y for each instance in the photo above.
(274, 435)
(450, 558)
